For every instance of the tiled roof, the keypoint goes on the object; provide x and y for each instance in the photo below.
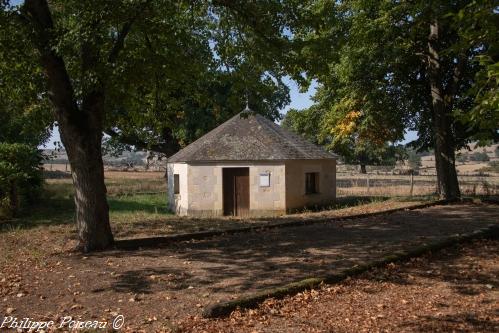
(250, 137)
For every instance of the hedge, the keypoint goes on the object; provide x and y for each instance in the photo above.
(20, 177)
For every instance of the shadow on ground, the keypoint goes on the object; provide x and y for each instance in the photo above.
(248, 262)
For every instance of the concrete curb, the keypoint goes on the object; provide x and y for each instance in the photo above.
(135, 243)
(224, 309)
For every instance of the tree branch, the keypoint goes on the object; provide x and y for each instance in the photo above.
(169, 147)
(39, 19)
(123, 33)
(120, 41)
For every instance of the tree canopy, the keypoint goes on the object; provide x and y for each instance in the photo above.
(154, 74)
(387, 66)
(25, 111)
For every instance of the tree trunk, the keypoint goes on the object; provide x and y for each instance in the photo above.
(82, 138)
(437, 187)
(363, 168)
(445, 161)
(81, 128)
(87, 170)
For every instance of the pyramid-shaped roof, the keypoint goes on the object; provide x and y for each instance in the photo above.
(249, 136)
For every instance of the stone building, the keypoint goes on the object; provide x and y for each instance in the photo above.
(250, 166)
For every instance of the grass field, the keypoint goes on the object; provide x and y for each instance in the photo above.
(138, 201)
(138, 207)
(354, 184)
(132, 196)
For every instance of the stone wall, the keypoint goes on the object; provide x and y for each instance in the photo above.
(206, 194)
(296, 198)
(268, 200)
(205, 191)
(178, 203)
(201, 187)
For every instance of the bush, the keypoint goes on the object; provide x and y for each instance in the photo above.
(492, 167)
(20, 177)
(479, 157)
(463, 158)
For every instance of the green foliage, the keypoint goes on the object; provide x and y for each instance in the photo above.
(311, 124)
(20, 176)
(304, 122)
(462, 158)
(478, 24)
(183, 68)
(371, 60)
(25, 112)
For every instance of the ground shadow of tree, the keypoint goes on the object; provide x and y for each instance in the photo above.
(253, 261)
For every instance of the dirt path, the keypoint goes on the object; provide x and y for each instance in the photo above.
(155, 287)
(456, 290)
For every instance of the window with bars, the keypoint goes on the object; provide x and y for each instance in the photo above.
(311, 182)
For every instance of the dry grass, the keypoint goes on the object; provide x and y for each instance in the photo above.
(400, 185)
(121, 183)
(398, 191)
(135, 175)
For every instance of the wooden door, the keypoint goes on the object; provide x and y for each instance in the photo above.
(236, 191)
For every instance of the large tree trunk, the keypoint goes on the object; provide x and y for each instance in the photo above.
(92, 210)
(81, 133)
(445, 162)
(82, 138)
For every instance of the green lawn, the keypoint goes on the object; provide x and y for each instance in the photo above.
(56, 206)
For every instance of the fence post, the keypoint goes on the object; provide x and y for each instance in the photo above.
(412, 181)
(367, 182)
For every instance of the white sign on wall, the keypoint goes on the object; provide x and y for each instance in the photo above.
(265, 179)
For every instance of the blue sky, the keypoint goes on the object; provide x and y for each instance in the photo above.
(299, 100)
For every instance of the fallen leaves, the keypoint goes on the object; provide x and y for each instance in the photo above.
(365, 304)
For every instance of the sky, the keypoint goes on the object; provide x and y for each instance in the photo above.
(298, 101)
